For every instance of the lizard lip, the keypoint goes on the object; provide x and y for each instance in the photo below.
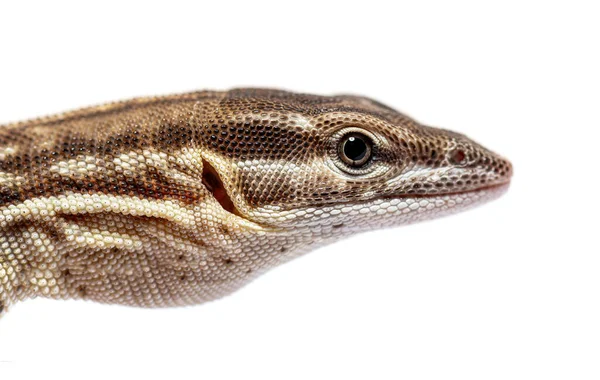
(499, 188)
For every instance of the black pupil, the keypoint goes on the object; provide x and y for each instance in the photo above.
(355, 148)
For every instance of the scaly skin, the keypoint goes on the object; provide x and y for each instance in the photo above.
(182, 199)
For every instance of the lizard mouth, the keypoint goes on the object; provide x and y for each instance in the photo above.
(493, 189)
(489, 188)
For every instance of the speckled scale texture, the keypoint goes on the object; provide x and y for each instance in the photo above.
(182, 199)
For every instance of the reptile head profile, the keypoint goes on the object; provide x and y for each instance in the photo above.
(182, 199)
(342, 164)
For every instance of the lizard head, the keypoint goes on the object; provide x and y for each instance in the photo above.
(342, 163)
(107, 200)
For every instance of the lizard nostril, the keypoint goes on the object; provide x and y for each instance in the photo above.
(458, 156)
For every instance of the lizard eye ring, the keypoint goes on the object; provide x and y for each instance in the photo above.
(355, 149)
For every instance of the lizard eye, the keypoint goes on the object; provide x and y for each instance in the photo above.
(356, 152)
(355, 149)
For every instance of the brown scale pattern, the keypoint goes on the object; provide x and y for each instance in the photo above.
(182, 199)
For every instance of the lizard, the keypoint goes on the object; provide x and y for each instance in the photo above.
(182, 199)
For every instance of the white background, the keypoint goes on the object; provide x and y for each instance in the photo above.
(510, 290)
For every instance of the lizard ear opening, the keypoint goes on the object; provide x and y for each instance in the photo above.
(212, 181)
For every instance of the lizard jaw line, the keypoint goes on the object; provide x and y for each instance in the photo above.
(497, 187)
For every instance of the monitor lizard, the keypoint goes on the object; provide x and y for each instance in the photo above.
(182, 199)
